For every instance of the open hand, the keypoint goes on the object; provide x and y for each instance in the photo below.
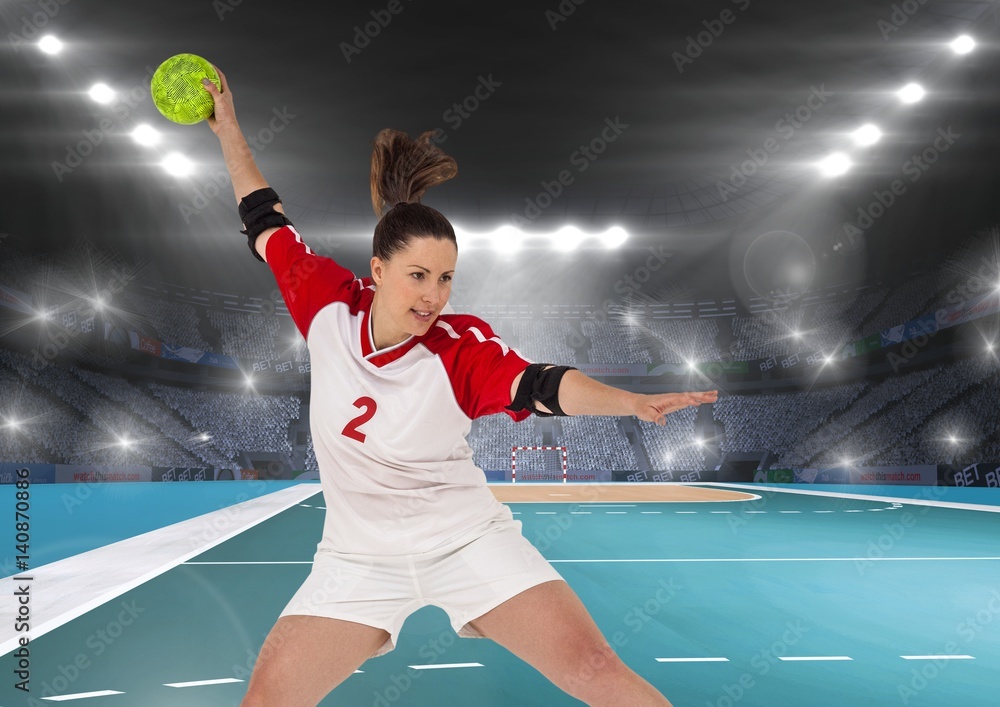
(225, 114)
(654, 408)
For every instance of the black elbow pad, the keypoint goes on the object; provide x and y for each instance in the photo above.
(540, 384)
(257, 214)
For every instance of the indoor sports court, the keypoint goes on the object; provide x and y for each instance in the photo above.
(326, 323)
(717, 594)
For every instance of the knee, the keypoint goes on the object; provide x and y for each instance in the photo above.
(597, 671)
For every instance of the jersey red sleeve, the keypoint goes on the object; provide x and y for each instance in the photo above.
(308, 282)
(481, 366)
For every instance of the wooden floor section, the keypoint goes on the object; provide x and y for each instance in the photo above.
(613, 493)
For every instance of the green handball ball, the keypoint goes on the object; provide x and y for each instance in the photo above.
(178, 92)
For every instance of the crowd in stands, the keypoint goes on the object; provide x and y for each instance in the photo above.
(175, 323)
(236, 422)
(246, 335)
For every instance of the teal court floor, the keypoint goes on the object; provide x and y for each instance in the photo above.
(886, 596)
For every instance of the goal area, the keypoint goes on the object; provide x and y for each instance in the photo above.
(538, 463)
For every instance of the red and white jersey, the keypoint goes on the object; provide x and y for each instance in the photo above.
(389, 427)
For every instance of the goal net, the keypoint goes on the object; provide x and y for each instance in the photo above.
(538, 464)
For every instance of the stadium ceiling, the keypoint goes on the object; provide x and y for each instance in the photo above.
(566, 112)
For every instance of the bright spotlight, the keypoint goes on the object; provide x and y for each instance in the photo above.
(845, 462)
(699, 441)
(205, 437)
(13, 424)
(125, 442)
(567, 238)
(177, 165)
(98, 304)
(50, 45)
(866, 135)
(828, 359)
(614, 237)
(963, 44)
(911, 93)
(953, 440)
(834, 165)
(102, 93)
(692, 366)
(146, 135)
(797, 334)
(668, 457)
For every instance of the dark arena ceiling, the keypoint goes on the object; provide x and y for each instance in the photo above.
(695, 127)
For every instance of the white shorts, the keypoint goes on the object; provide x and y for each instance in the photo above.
(382, 591)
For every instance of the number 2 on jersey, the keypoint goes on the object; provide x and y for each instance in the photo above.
(351, 428)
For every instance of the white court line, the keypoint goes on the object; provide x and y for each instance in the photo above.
(612, 513)
(824, 511)
(275, 562)
(720, 511)
(814, 657)
(789, 511)
(937, 657)
(651, 512)
(610, 505)
(863, 497)
(855, 510)
(545, 513)
(199, 683)
(77, 584)
(447, 665)
(581, 513)
(83, 695)
(692, 660)
(685, 511)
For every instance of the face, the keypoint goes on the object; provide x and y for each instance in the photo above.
(416, 279)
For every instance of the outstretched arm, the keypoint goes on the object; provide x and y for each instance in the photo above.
(243, 170)
(580, 394)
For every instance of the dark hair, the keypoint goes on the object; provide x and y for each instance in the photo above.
(402, 170)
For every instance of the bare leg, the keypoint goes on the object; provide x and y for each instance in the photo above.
(548, 627)
(304, 657)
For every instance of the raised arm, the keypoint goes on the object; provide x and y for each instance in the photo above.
(243, 170)
(580, 394)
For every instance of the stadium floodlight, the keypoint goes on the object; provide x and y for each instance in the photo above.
(962, 44)
(866, 135)
(834, 165)
(567, 238)
(699, 441)
(797, 334)
(125, 442)
(146, 136)
(205, 437)
(911, 93)
(668, 457)
(614, 237)
(13, 423)
(177, 165)
(692, 366)
(50, 44)
(953, 439)
(827, 359)
(846, 462)
(101, 93)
